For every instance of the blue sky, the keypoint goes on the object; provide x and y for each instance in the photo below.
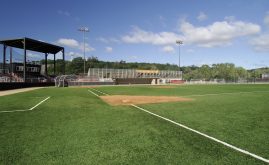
(235, 31)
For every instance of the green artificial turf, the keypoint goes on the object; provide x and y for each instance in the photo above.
(74, 126)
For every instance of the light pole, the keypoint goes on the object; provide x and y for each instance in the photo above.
(84, 29)
(179, 42)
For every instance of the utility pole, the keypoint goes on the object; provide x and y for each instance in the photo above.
(179, 42)
(84, 30)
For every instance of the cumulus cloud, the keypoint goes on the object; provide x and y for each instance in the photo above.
(141, 36)
(108, 49)
(202, 16)
(108, 40)
(266, 19)
(261, 43)
(72, 43)
(75, 54)
(88, 48)
(168, 49)
(218, 33)
(31, 55)
(68, 42)
(133, 57)
(190, 50)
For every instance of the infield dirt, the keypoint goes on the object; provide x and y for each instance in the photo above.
(128, 100)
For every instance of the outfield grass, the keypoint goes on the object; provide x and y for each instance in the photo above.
(74, 126)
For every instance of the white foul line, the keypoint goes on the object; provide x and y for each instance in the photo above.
(93, 93)
(39, 103)
(200, 133)
(24, 110)
(100, 92)
(207, 136)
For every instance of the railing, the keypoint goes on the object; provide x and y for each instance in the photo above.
(223, 81)
(133, 73)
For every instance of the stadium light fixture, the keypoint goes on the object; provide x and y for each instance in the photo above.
(84, 30)
(179, 42)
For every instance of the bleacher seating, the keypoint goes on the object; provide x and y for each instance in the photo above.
(134, 80)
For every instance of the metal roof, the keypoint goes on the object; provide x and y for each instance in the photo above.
(34, 45)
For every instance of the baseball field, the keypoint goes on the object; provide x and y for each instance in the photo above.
(182, 124)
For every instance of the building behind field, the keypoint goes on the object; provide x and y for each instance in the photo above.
(106, 76)
(265, 76)
(135, 76)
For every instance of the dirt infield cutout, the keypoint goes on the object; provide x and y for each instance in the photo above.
(128, 100)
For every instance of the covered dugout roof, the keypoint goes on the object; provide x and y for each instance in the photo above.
(34, 45)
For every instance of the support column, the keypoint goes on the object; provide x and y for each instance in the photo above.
(24, 60)
(46, 64)
(10, 61)
(63, 62)
(54, 65)
(10, 64)
(4, 58)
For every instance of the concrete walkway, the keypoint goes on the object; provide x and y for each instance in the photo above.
(13, 91)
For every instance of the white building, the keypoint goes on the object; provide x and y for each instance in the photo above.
(265, 76)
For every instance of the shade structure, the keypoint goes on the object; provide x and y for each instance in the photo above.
(33, 45)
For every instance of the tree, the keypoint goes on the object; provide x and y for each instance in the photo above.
(76, 65)
(205, 71)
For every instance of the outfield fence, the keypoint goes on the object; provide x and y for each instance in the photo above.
(223, 81)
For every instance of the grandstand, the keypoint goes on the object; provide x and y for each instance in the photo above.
(106, 76)
(22, 67)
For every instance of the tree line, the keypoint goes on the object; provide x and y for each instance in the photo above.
(226, 71)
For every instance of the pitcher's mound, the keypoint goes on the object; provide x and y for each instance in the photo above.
(127, 100)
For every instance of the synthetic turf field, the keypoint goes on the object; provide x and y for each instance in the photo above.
(75, 126)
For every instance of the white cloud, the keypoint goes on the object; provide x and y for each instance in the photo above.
(72, 43)
(229, 18)
(109, 49)
(168, 49)
(108, 40)
(190, 50)
(88, 48)
(75, 54)
(218, 33)
(132, 58)
(102, 39)
(261, 43)
(141, 36)
(266, 19)
(202, 16)
(31, 55)
(68, 42)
